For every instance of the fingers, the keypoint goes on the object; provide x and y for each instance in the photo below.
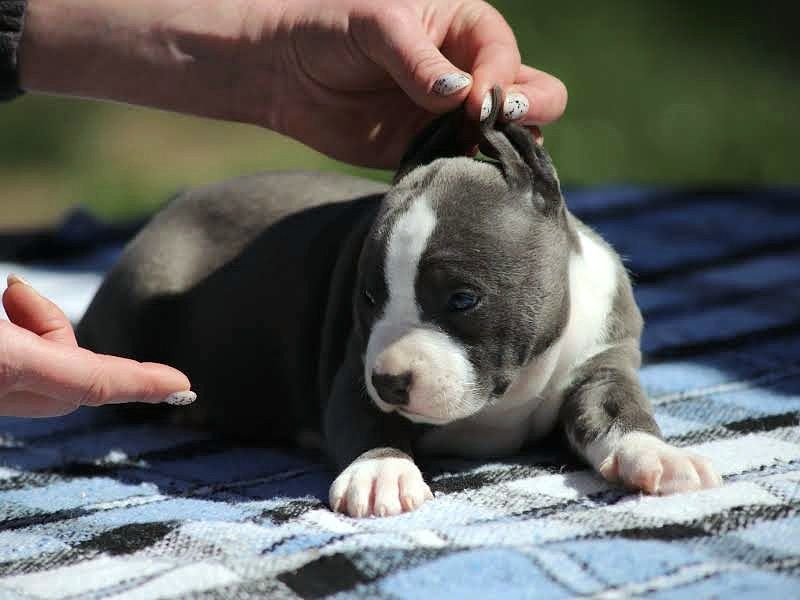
(400, 44)
(477, 38)
(535, 98)
(30, 310)
(493, 55)
(28, 404)
(62, 395)
(82, 377)
(532, 97)
(44, 377)
(546, 97)
(496, 64)
(53, 376)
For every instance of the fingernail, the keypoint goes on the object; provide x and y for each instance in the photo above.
(450, 83)
(515, 107)
(537, 135)
(180, 398)
(486, 107)
(14, 278)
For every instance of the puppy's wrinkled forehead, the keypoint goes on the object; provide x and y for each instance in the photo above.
(451, 210)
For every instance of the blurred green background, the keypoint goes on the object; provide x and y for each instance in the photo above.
(681, 93)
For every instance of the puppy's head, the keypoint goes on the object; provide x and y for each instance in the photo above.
(462, 280)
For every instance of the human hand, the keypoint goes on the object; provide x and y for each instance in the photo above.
(43, 372)
(355, 79)
(360, 78)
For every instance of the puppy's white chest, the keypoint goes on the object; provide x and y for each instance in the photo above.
(496, 431)
(503, 427)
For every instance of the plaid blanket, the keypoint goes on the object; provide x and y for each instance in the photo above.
(94, 510)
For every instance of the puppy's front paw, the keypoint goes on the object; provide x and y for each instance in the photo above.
(641, 461)
(380, 483)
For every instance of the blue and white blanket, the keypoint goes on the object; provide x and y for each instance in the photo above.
(98, 511)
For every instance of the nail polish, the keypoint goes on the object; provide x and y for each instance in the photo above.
(180, 398)
(486, 107)
(450, 84)
(515, 107)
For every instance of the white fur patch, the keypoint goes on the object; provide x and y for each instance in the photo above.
(442, 374)
(593, 285)
(379, 483)
(502, 428)
(407, 243)
(642, 461)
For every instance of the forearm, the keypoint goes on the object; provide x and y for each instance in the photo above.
(180, 55)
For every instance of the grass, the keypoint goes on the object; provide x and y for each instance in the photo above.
(679, 93)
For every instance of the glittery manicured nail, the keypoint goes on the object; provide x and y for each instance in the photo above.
(486, 107)
(14, 278)
(451, 83)
(180, 398)
(515, 107)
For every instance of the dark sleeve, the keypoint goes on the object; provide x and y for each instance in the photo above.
(11, 17)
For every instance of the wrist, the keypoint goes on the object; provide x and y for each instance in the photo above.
(180, 55)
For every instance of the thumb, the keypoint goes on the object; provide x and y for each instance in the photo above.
(28, 309)
(404, 49)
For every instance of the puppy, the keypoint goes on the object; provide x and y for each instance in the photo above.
(462, 311)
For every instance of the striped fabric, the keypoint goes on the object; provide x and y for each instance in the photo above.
(93, 510)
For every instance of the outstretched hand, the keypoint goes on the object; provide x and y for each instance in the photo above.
(44, 373)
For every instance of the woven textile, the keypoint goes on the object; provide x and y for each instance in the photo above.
(93, 510)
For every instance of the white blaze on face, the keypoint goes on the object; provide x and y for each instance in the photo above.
(442, 376)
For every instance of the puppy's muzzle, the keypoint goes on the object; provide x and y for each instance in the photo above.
(393, 389)
(421, 373)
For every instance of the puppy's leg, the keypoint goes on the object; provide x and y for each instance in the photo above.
(379, 477)
(609, 421)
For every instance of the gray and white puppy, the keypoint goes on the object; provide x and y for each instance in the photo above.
(462, 311)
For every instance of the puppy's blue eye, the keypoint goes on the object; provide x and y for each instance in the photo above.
(461, 301)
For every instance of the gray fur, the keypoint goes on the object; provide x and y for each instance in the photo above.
(221, 285)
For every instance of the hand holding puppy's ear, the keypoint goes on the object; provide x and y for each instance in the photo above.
(441, 69)
(367, 90)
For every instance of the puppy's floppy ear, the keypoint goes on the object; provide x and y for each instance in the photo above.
(546, 187)
(526, 165)
(450, 135)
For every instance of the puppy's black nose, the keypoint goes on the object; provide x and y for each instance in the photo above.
(393, 389)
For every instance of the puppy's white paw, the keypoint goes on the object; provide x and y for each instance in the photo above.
(379, 483)
(641, 461)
